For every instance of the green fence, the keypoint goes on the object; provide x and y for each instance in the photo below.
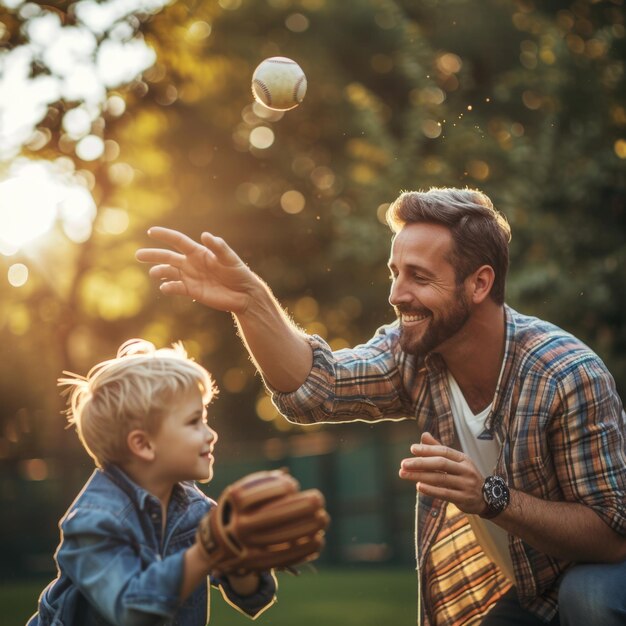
(356, 467)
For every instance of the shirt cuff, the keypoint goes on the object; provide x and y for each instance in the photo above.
(315, 390)
(254, 604)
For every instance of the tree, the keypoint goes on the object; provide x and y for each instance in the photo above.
(521, 99)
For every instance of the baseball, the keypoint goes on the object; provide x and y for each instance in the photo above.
(279, 83)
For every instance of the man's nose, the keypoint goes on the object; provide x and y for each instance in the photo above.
(397, 293)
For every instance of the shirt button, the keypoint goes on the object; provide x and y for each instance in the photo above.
(155, 516)
(434, 513)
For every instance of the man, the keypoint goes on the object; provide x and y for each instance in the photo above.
(521, 466)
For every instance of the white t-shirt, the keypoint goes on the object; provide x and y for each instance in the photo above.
(483, 450)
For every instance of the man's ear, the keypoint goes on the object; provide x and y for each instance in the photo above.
(140, 445)
(481, 282)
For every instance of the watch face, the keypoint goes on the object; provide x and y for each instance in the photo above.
(496, 494)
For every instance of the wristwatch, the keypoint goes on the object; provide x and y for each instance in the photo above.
(496, 495)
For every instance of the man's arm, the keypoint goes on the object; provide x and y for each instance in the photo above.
(567, 530)
(211, 273)
(278, 348)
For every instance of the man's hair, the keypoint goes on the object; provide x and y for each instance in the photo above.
(480, 233)
(132, 391)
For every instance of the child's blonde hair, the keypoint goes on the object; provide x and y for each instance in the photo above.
(132, 391)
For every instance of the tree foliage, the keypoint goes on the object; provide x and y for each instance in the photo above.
(524, 100)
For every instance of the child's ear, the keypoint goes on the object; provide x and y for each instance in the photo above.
(140, 445)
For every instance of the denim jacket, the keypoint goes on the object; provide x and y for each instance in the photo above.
(116, 566)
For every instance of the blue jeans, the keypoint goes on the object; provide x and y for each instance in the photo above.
(507, 611)
(589, 595)
(593, 594)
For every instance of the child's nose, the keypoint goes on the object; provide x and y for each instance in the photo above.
(211, 434)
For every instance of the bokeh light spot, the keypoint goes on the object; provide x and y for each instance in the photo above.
(620, 148)
(261, 137)
(428, 95)
(90, 148)
(381, 212)
(323, 177)
(517, 129)
(17, 275)
(449, 63)
(111, 150)
(234, 380)
(316, 328)
(113, 221)
(531, 100)
(479, 170)
(306, 309)
(121, 174)
(431, 129)
(292, 202)
(297, 23)
(34, 469)
(265, 409)
(115, 105)
(77, 122)
(198, 31)
(19, 320)
(229, 5)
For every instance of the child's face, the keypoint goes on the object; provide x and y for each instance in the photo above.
(184, 443)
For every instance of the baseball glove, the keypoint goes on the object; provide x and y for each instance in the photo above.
(263, 521)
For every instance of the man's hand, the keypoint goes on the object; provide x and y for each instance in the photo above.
(209, 272)
(444, 473)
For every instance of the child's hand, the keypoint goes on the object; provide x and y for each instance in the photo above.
(244, 585)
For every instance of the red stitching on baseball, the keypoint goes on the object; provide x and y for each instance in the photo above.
(263, 87)
(296, 87)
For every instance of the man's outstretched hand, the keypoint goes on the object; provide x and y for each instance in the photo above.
(209, 272)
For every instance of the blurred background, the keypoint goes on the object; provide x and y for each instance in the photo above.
(118, 115)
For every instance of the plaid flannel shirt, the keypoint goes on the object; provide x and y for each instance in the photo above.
(556, 416)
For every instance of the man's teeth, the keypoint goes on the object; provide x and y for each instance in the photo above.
(413, 318)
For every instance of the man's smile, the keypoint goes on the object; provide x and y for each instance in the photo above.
(412, 318)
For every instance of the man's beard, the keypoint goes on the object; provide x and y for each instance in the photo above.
(439, 330)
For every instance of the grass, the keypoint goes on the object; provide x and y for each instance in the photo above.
(341, 597)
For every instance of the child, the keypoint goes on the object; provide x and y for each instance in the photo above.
(128, 553)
